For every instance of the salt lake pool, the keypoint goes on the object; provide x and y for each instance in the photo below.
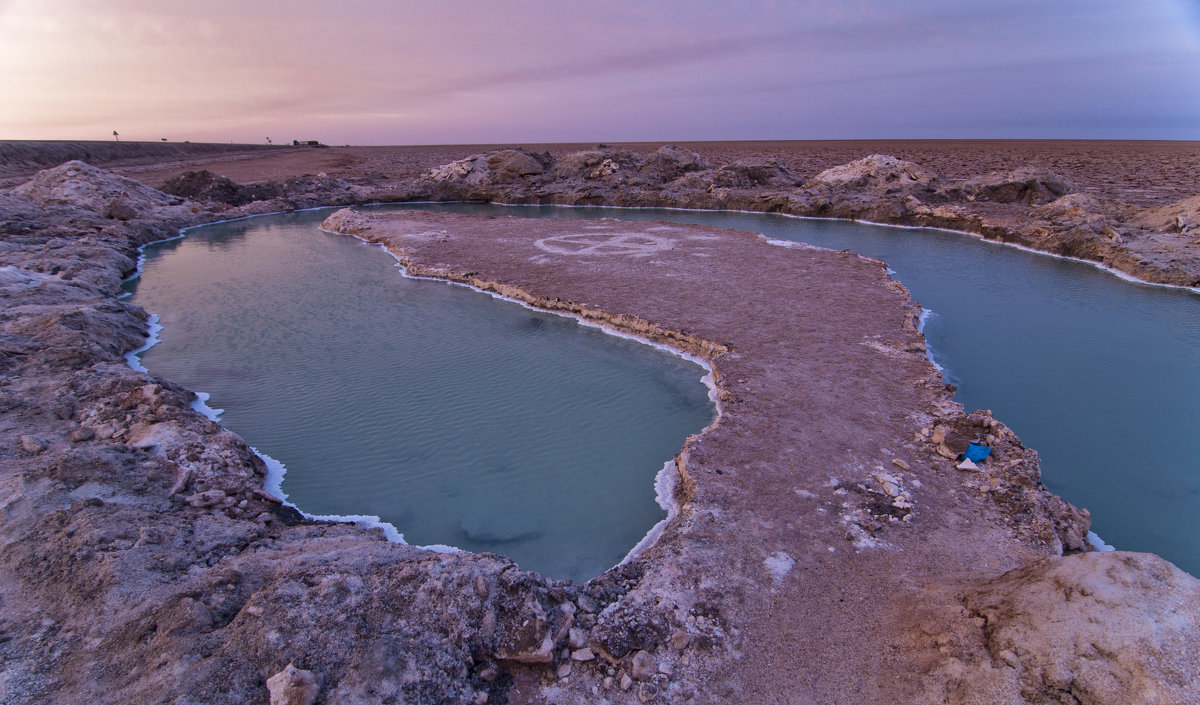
(459, 418)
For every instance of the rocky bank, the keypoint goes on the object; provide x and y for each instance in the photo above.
(826, 549)
(143, 562)
(1120, 207)
(1026, 206)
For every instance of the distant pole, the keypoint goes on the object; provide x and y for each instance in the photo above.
(116, 136)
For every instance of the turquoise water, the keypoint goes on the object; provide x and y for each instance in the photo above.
(1099, 374)
(460, 418)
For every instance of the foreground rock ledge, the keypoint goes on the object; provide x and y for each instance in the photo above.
(826, 549)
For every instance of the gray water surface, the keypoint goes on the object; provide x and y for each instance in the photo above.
(1099, 374)
(460, 418)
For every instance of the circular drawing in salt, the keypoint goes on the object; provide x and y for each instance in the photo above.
(633, 244)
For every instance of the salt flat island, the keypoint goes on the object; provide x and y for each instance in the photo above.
(826, 546)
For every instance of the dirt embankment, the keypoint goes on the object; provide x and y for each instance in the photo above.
(827, 548)
(1142, 174)
(19, 160)
(1028, 206)
(1130, 206)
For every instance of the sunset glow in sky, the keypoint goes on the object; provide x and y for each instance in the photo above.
(463, 71)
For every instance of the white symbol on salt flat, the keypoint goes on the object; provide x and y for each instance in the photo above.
(632, 244)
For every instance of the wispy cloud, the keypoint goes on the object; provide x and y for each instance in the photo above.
(528, 69)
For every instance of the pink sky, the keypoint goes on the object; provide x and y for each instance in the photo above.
(544, 70)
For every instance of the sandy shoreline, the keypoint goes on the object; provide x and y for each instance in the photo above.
(826, 549)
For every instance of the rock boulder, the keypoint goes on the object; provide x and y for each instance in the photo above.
(1180, 217)
(1094, 629)
(515, 164)
(754, 173)
(598, 164)
(81, 185)
(669, 163)
(204, 185)
(293, 686)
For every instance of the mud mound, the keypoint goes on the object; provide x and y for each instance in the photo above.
(498, 167)
(85, 187)
(670, 162)
(1181, 217)
(752, 173)
(207, 186)
(874, 171)
(598, 164)
(1026, 185)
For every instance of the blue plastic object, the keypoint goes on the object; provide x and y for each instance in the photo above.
(975, 453)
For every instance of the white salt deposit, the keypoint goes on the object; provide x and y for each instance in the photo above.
(664, 493)
(152, 330)
(201, 404)
(779, 564)
(1098, 543)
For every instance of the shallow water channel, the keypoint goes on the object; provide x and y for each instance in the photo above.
(1101, 375)
(459, 418)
